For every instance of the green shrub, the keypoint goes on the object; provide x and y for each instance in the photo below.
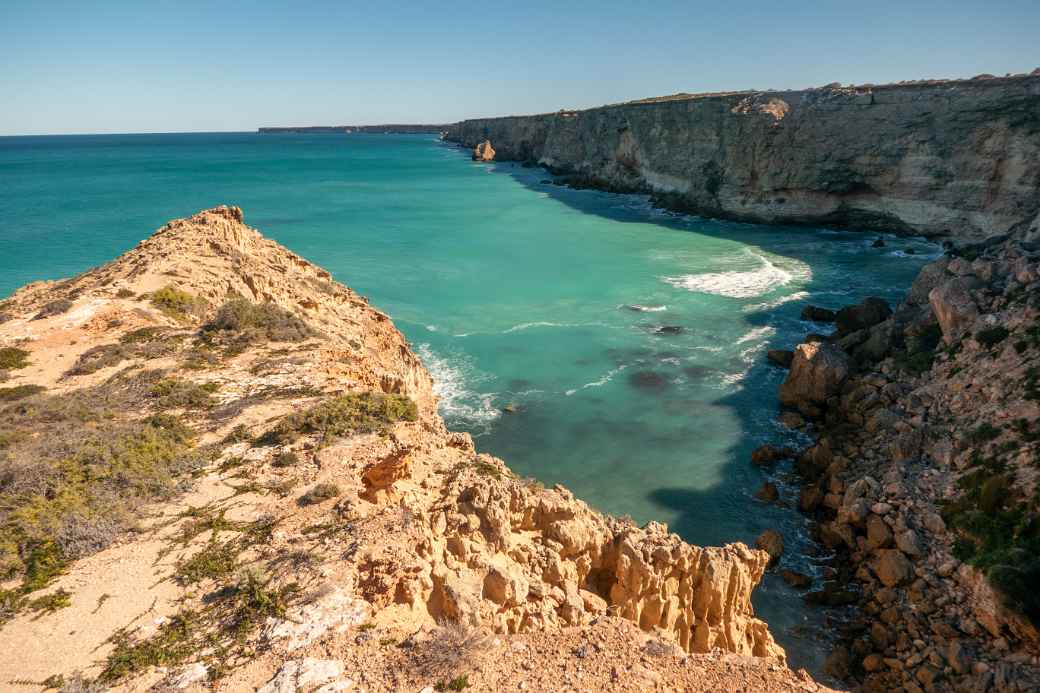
(10, 394)
(124, 293)
(13, 358)
(71, 475)
(992, 336)
(459, 683)
(249, 322)
(99, 357)
(213, 562)
(62, 305)
(286, 458)
(179, 305)
(984, 433)
(319, 494)
(346, 415)
(172, 392)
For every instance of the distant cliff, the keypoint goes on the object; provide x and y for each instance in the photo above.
(391, 129)
(942, 158)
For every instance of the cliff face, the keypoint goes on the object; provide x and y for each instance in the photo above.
(958, 159)
(298, 505)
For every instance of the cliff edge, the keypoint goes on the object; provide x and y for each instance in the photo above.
(957, 159)
(221, 469)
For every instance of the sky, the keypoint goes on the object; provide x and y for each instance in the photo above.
(187, 66)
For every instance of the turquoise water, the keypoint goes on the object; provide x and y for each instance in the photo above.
(630, 342)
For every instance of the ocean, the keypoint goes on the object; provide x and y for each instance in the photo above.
(628, 343)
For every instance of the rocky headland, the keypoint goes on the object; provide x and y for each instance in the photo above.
(952, 158)
(222, 470)
(923, 477)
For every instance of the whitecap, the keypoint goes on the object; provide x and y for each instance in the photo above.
(544, 323)
(599, 383)
(757, 333)
(743, 283)
(643, 309)
(777, 302)
(456, 402)
(431, 328)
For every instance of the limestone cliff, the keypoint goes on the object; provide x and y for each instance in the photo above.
(217, 464)
(950, 158)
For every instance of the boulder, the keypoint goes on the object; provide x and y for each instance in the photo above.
(768, 493)
(817, 314)
(892, 567)
(767, 454)
(954, 307)
(780, 357)
(863, 315)
(772, 542)
(817, 373)
(796, 579)
(484, 151)
(879, 534)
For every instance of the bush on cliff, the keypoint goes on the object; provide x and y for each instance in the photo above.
(13, 358)
(255, 321)
(179, 305)
(998, 531)
(347, 415)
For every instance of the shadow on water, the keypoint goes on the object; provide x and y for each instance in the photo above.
(806, 632)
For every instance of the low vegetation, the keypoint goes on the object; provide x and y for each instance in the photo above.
(998, 527)
(72, 472)
(11, 394)
(178, 304)
(173, 393)
(13, 358)
(319, 494)
(346, 415)
(58, 307)
(244, 322)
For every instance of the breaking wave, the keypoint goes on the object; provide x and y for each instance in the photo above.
(459, 405)
(767, 277)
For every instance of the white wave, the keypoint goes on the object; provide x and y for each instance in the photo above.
(777, 302)
(431, 328)
(599, 383)
(742, 283)
(456, 402)
(643, 309)
(544, 323)
(757, 333)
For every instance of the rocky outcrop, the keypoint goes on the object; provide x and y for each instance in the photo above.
(950, 158)
(818, 371)
(484, 152)
(923, 477)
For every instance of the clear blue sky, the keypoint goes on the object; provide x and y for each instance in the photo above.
(165, 66)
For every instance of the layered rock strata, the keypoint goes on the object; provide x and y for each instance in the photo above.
(945, 158)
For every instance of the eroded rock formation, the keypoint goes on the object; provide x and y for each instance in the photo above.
(950, 158)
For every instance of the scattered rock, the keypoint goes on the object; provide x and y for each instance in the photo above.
(817, 314)
(768, 493)
(772, 542)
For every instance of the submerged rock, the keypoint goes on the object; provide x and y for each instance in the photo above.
(772, 542)
(817, 314)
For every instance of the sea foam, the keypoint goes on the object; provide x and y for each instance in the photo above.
(743, 283)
